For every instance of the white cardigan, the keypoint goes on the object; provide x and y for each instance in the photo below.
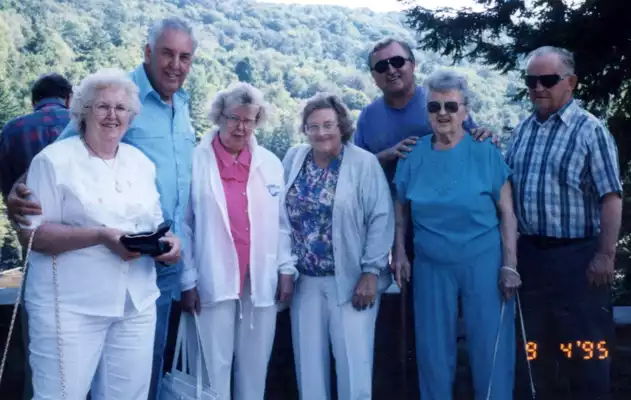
(209, 255)
(363, 217)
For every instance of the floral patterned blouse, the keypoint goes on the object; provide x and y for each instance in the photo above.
(310, 209)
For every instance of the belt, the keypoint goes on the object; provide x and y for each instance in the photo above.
(549, 242)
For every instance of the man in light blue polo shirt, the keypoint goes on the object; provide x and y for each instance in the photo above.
(163, 132)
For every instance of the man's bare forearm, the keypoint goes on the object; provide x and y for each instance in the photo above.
(21, 179)
(610, 220)
(384, 156)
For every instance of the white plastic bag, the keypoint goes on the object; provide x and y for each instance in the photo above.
(182, 384)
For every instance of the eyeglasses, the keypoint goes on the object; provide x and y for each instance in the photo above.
(397, 62)
(451, 107)
(104, 109)
(547, 81)
(234, 121)
(326, 127)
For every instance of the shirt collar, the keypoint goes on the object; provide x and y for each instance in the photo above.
(565, 113)
(228, 159)
(145, 88)
(49, 101)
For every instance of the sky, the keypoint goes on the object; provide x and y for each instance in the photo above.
(380, 5)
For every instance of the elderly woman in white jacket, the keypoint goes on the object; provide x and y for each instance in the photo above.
(342, 224)
(237, 244)
(90, 301)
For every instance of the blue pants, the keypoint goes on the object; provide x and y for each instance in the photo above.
(436, 291)
(569, 321)
(168, 292)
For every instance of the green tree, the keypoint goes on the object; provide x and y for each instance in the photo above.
(198, 89)
(244, 70)
(9, 106)
(280, 139)
(596, 31)
(10, 253)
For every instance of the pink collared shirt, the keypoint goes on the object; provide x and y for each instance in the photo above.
(234, 174)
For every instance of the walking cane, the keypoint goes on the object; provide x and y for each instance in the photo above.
(497, 343)
(523, 338)
(403, 344)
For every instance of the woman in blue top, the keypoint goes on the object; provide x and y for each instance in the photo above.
(459, 198)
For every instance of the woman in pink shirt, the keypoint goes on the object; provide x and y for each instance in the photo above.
(238, 243)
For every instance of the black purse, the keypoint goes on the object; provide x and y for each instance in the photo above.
(148, 243)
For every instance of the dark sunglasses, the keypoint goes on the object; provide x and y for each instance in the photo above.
(547, 81)
(450, 106)
(397, 62)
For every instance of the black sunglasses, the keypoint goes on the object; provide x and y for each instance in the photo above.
(450, 106)
(397, 62)
(547, 81)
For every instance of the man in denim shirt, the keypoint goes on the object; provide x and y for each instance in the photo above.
(163, 132)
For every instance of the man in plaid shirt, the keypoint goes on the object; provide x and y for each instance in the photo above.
(568, 202)
(23, 137)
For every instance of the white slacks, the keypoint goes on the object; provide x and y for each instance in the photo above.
(237, 329)
(316, 320)
(112, 356)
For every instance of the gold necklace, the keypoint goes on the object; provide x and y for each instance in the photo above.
(117, 186)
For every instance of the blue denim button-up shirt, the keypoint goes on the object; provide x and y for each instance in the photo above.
(164, 134)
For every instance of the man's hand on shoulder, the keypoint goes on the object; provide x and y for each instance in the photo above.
(399, 150)
(481, 134)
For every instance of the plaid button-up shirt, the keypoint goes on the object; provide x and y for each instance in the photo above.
(23, 137)
(562, 167)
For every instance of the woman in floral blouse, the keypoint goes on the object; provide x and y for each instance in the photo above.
(342, 221)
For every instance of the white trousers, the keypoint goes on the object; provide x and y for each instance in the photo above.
(111, 356)
(237, 329)
(317, 320)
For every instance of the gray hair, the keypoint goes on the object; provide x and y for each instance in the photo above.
(89, 88)
(383, 43)
(239, 94)
(156, 30)
(565, 57)
(443, 81)
(329, 101)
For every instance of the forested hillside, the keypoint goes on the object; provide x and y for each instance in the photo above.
(288, 51)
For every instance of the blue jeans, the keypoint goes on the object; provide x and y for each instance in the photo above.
(169, 291)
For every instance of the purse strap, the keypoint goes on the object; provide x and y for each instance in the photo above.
(18, 300)
(62, 375)
(181, 352)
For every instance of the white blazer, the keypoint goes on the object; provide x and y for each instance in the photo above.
(209, 256)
